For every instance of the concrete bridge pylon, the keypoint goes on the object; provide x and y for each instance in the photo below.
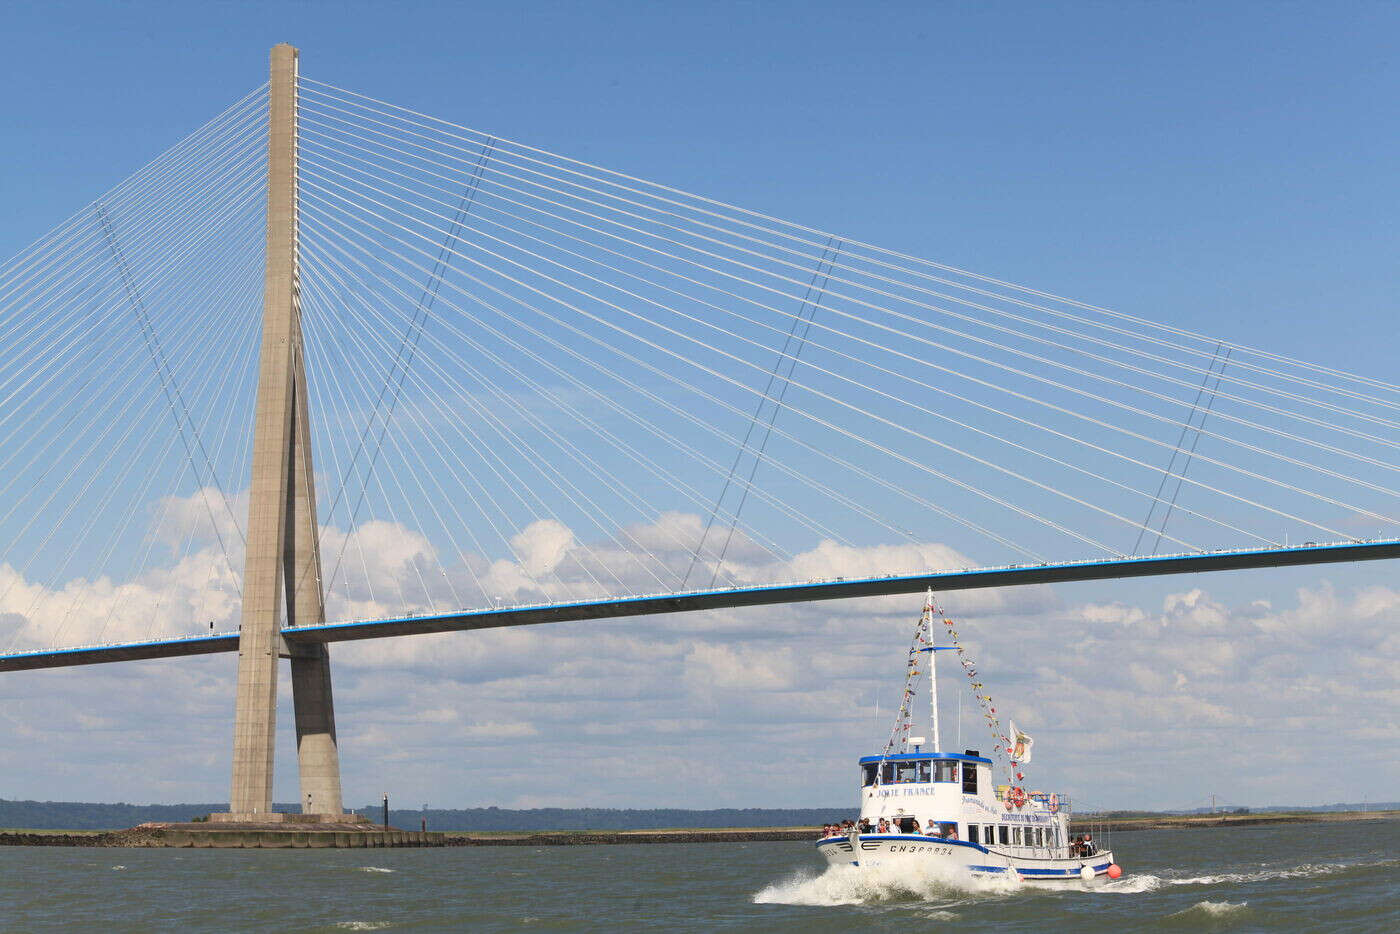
(282, 566)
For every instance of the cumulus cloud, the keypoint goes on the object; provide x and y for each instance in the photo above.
(1159, 698)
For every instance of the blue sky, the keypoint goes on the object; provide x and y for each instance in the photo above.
(1228, 169)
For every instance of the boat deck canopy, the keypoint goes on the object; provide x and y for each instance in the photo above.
(906, 756)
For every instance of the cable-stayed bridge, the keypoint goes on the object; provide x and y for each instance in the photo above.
(333, 369)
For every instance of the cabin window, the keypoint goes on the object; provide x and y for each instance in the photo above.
(989, 834)
(1038, 837)
(868, 772)
(887, 774)
(907, 771)
(925, 767)
(1005, 832)
(1016, 836)
(969, 779)
(973, 836)
(945, 771)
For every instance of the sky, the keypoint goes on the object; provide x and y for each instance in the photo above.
(1225, 169)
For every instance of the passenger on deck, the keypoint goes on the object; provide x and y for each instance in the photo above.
(1088, 844)
(914, 825)
(883, 826)
(864, 825)
(950, 831)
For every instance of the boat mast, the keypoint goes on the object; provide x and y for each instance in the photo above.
(932, 670)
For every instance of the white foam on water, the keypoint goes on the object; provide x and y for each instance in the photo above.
(118, 867)
(1214, 909)
(363, 925)
(376, 869)
(1146, 882)
(867, 885)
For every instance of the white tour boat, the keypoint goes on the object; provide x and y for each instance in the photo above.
(943, 811)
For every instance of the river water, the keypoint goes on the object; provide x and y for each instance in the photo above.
(1317, 877)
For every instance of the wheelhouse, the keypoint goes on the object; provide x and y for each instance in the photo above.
(915, 768)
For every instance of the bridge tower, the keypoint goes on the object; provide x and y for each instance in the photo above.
(283, 560)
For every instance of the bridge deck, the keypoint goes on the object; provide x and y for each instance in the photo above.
(613, 607)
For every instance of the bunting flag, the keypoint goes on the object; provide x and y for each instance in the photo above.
(900, 732)
(1011, 753)
(1008, 753)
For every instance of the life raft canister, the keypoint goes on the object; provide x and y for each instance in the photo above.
(1016, 796)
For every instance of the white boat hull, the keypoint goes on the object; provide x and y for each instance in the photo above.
(957, 856)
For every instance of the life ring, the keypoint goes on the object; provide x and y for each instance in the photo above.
(1054, 802)
(1016, 796)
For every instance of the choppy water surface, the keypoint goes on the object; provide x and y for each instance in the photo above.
(1332, 877)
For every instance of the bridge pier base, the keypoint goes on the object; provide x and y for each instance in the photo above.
(318, 758)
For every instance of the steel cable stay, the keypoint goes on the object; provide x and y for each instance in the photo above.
(642, 391)
(111, 397)
(367, 381)
(179, 408)
(566, 349)
(530, 455)
(310, 317)
(669, 440)
(576, 309)
(98, 311)
(562, 356)
(238, 367)
(189, 345)
(918, 360)
(113, 310)
(979, 322)
(936, 388)
(1035, 358)
(467, 488)
(313, 86)
(681, 358)
(140, 497)
(573, 413)
(758, 411)
(1301, 464)
(367, 386)
(150, 217)
(145, 246)
(150, 174)
(822, 235)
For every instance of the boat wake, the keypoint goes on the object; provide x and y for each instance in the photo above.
(1146, 882)
(848, 885)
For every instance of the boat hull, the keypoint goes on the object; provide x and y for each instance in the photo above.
(957, 857)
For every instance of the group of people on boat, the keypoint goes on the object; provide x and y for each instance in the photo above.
(1082, 845)
(945, 830)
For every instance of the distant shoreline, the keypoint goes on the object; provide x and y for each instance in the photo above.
(123, 838)
(1178, 821)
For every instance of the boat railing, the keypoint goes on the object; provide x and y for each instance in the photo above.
(1042, 797)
